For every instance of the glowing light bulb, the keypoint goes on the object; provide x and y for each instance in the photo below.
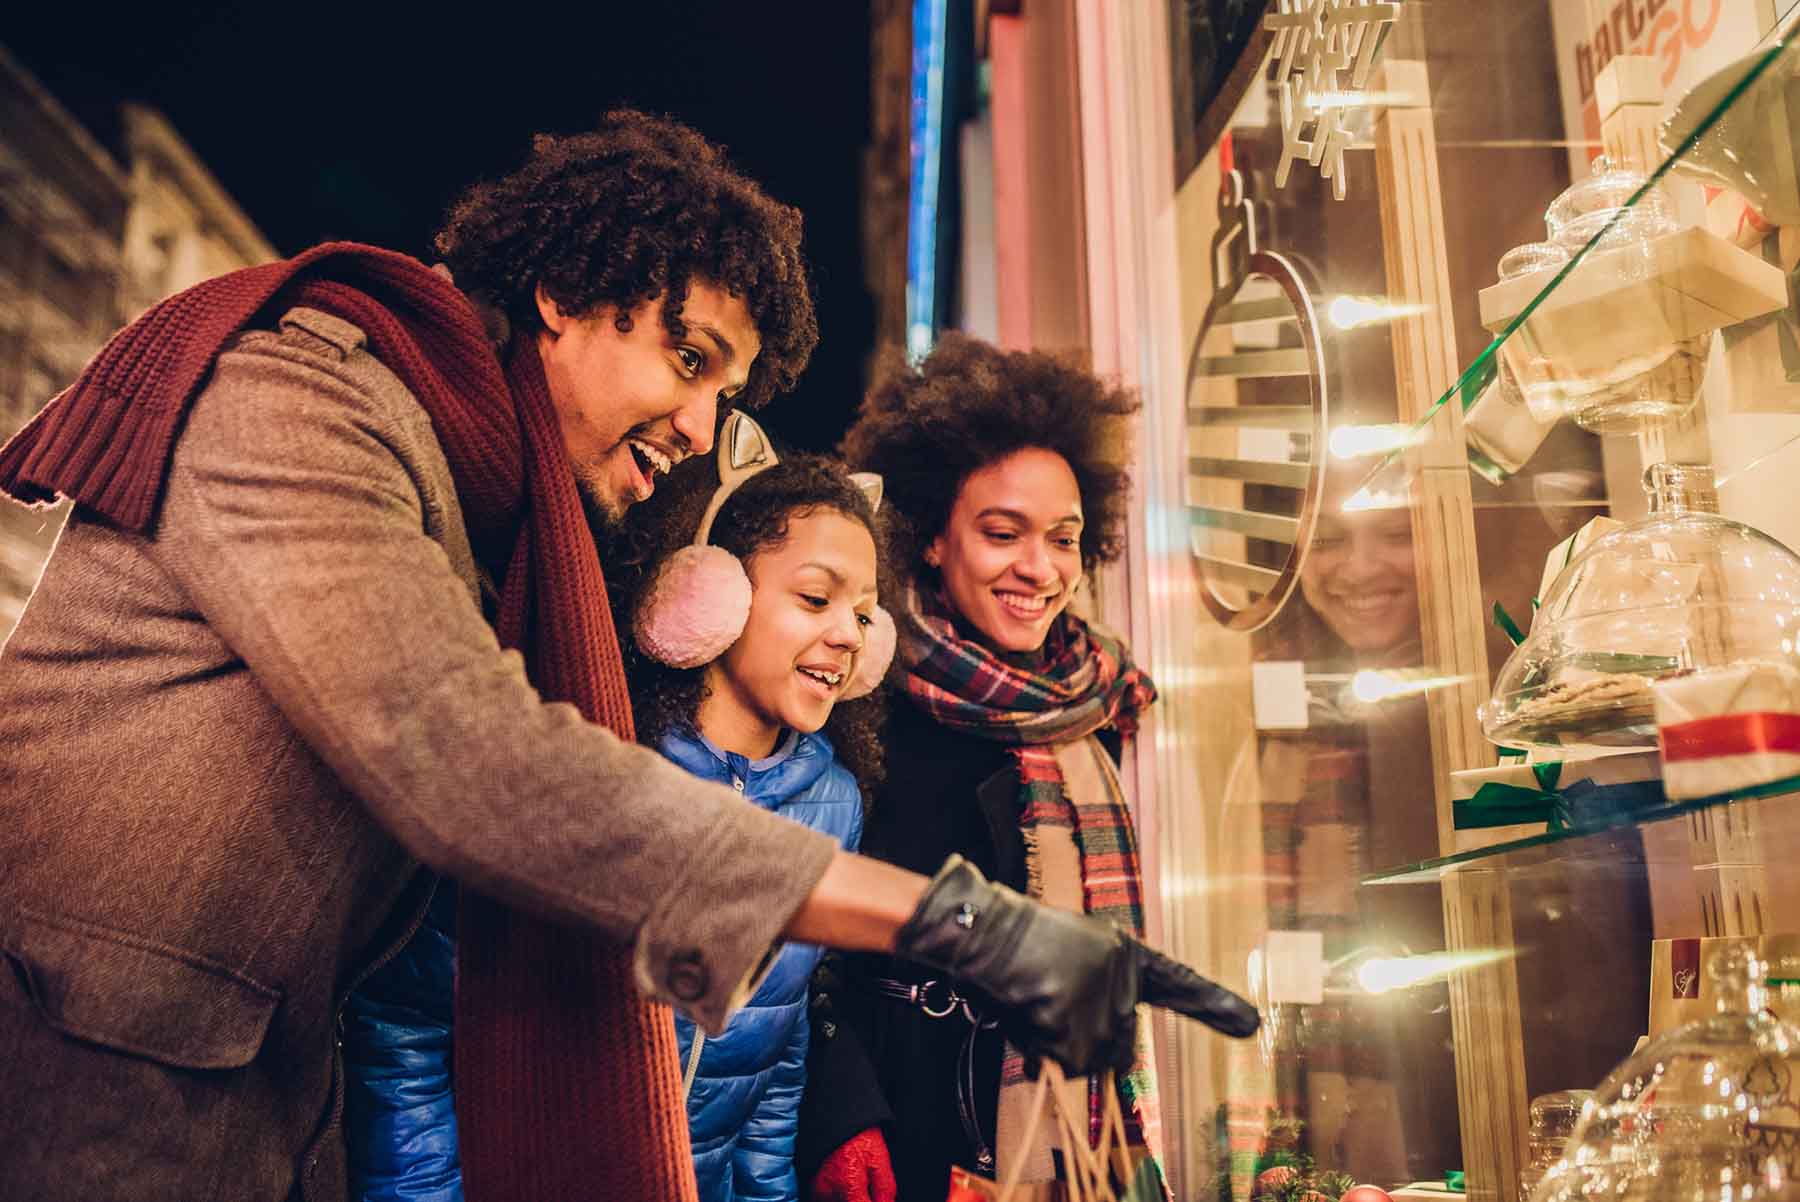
(1383, 975)
(1373, 685)
(1349, 312)
(1357, 442)
(1369, 686)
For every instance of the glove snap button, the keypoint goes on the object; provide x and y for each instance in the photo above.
(688, 979)
(965, 915)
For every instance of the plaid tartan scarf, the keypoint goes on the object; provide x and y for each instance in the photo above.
(1086, 683)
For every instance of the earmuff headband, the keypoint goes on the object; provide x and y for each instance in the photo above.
(698, 604)
(744, 451)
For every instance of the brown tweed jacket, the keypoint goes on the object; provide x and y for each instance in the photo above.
(225, 753)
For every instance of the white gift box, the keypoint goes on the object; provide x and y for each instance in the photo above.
(1728, 729)
(1570, 547)
(1602, 768)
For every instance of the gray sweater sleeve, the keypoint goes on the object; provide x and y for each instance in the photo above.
(295, 522)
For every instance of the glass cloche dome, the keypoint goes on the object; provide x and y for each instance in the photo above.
(1633, 368)
(1704, 1113)
(1683, 591)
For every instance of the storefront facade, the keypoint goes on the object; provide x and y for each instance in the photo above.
(1357, 440)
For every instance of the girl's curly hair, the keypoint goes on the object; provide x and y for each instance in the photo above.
(755, 518)
(926, 429)
(639, 208)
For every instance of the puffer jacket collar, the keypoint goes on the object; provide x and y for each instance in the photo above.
(798, 760)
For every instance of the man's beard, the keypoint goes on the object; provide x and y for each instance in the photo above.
(606, 518)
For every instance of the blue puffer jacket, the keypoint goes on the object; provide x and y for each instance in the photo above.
(399, 1115)
(744, 1100)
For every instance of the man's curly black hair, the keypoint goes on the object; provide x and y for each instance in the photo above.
(755, 518)
(926, 429)
(638, 208)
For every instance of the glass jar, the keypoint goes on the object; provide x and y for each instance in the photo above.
(1586, 207)
(1529, 257)
(1554, 1117)
(1683, 591)
(1600, 350)
(1704, 1113)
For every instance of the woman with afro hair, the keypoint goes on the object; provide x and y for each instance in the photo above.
(1007, 485)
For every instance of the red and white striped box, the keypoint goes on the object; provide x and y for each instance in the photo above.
(1723, 730)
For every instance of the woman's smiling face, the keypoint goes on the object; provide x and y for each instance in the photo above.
(1358, 576)
(1010, 553)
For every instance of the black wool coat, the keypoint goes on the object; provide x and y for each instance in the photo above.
(881, 1061)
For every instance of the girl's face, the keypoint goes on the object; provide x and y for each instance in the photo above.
(1010, 554)
(811, 602)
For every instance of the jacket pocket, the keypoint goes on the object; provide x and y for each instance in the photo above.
(124, 993)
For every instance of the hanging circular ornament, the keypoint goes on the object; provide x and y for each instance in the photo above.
(1257, 413)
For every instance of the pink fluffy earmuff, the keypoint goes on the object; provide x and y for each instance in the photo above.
(698, 604)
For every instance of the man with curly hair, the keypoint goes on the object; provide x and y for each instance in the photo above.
(328, 622)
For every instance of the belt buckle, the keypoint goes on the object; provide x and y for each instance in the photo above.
(923, 995)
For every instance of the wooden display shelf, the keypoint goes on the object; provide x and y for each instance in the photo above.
(1616, 303)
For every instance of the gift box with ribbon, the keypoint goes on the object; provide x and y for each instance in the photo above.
(1728, 730)
(1570, 547)
(1517, 800)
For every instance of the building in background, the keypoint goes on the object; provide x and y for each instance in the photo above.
(88, 242)
(181, 226)
(63, 206)
(996, 225)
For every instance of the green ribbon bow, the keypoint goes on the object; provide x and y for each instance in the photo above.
(1495, 804)
(1453, 1180)
(1504, 621)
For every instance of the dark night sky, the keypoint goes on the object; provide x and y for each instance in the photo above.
(338, 120)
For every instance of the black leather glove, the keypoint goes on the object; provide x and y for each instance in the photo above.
(1066, 985)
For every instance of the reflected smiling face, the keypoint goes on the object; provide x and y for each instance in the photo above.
(1010, 553)
(1358, 577)
(634, 403)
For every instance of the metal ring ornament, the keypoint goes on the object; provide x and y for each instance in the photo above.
(1238, 259)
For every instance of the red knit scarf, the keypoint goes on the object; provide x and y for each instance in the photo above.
(566, 1078)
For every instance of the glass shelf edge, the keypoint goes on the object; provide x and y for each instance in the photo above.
(1432, 871)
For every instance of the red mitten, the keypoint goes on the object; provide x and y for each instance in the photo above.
(858, 1171)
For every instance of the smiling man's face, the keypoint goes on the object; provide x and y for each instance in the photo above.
(634, 403)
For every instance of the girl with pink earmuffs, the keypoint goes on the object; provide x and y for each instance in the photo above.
(755, 648)
(757, 641)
